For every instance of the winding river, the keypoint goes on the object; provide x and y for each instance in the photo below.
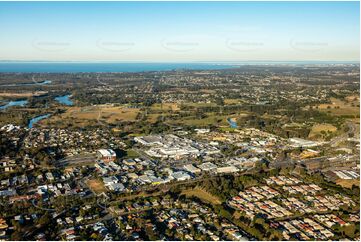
(232, 123)
(14, 103)
(37, 119)
(46, 82)
(64, 100)
(61, 99)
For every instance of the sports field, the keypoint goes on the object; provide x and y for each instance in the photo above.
(96, 186)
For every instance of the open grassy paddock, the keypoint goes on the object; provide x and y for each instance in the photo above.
(348, 183)
(165, 107)
(340, 107)
(104, 113)
(317, 129)
(203, 195)
(215, 119)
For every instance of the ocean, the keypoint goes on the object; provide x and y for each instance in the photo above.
(74, 67)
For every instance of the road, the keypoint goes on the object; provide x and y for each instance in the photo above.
(351, 130)
(76, 160)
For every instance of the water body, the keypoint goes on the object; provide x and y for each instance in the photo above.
(232, 123)
(64, 100)
(14, 103)
(37, 119)
(46, 82)
(73, 67)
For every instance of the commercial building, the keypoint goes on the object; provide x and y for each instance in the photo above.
(208, 166)
(192, 169)
(107, 155)
(297, 142)
(181, 176)
(227, 169)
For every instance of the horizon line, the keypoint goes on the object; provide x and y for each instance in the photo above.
(175, 62)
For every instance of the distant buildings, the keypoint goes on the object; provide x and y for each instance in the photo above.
(172, 146)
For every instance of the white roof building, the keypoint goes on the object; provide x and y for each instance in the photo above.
(181, 176)
(297, 142)
(107, 153)
(116, 187)
(208, 166)
(227, 169)
(191, 168)
(110, 180)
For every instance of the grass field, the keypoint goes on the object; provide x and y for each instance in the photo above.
(96, 186)
(199, 105)
(348, 183)
(339, 107)
(203, 195)
(132, 154)
(165, 107)
(318, 128)
(152, 117)
(210, 119)
(232, 101)
(108, 114)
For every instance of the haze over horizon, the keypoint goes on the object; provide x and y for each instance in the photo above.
(179, 31)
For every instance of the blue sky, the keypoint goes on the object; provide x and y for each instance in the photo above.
(179, 31)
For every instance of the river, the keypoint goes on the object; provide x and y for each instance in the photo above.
(64, 100)
(232, 123)
(37, 119)
(46, 82)
(14, 103)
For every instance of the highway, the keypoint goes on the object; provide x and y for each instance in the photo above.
(351, 130)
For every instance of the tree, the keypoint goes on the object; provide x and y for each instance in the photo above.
(350, 230)
(45, 219)
(16, 235)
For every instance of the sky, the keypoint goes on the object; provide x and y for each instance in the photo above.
(180, 31)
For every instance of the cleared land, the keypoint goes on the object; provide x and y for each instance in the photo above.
(96, 186)
(203, 195)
